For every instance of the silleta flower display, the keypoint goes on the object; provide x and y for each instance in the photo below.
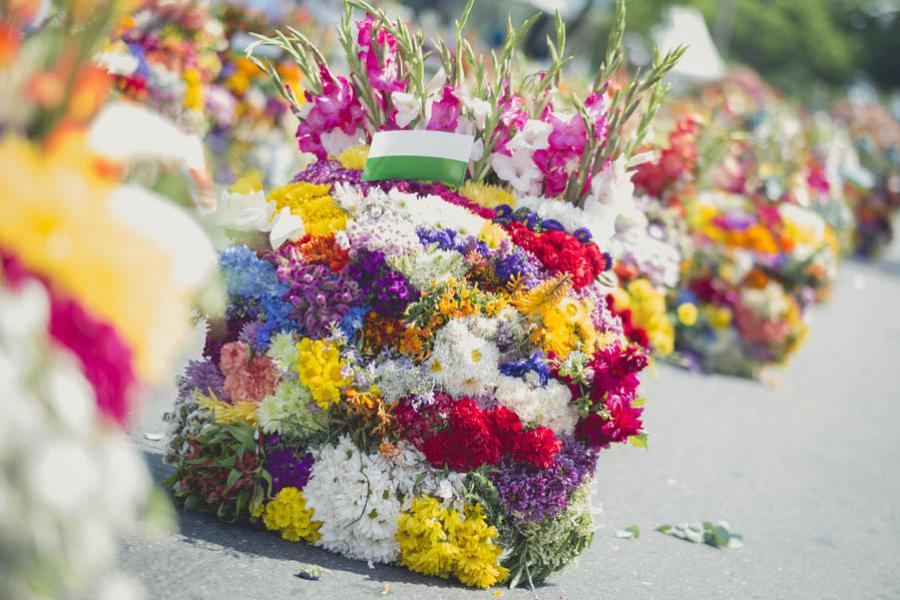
(411, 373)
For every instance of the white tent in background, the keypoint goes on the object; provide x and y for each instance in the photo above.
(701, 61)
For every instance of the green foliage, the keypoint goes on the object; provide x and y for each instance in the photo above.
(222, 473)
(717, 535)
(792, 42)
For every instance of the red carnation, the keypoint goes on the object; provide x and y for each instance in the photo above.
(506, 427)
(537, 446)
(466, 444)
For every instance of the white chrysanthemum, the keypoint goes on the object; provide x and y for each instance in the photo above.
(425, 267)
(549, 406)
(379, 221)
(397, 379)
(359, 497)
(433, 211)
(463, 363)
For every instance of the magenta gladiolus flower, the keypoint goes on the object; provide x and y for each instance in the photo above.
(336, 108)
(445, 112)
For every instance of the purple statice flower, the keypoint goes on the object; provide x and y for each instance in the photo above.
(536, 363)
(448, 239)
(532, 494)
(204, 376)
(288, 468)
(328, 172)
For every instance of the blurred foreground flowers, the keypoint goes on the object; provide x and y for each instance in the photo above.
(92, 306)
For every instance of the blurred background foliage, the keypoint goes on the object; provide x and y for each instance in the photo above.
(794, 44)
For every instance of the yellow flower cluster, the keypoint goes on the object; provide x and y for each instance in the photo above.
(493, 235)
(55, 217)
(354, 157)
(718, 316)
(319, 367)
(311, 202)
(567, 326)
(223, 412)
(193, 94)
(288, 513)
(441, 541)
(489, 196)
(648, 311)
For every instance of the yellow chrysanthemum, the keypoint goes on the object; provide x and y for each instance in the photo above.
(288, 513)
(55, 217)
(489, 196)
(440, 542)
(718, 316)
(320, 369)
(193, 94)
(312, 202)
(354, 157)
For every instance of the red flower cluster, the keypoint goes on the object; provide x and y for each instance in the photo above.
(675, 161)
(323, 250)
(561, 252)
(636, 334)
(623, 422)
(472, 437)
(615, 372)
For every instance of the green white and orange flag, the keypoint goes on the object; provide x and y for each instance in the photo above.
(419, 154)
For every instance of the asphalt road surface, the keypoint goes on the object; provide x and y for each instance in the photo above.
(806, 466)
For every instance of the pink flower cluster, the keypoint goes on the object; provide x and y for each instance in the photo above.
(337, 108)
(247, 378)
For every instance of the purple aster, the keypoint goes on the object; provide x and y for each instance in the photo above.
(288, 468)
(532, 494)
(393, 293)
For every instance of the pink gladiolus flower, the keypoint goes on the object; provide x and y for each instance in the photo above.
(378, 52)
(336, 108)
(445, 112)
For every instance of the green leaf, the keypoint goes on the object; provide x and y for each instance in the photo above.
(639, 440)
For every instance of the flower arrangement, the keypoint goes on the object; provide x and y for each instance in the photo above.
(761, 217)
(873, 183)
(165, 55)
(92, 307)
(252, 125)
(408, 371)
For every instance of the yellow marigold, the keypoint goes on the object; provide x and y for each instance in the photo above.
(354, 157)
(312, 202)
(319, 367)
(223, 412)
(55, 217)
(440, 542)
(486, 195)
(288, 513)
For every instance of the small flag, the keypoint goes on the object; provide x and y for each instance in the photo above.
(420, 155)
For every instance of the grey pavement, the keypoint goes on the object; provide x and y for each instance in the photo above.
(806, 467)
